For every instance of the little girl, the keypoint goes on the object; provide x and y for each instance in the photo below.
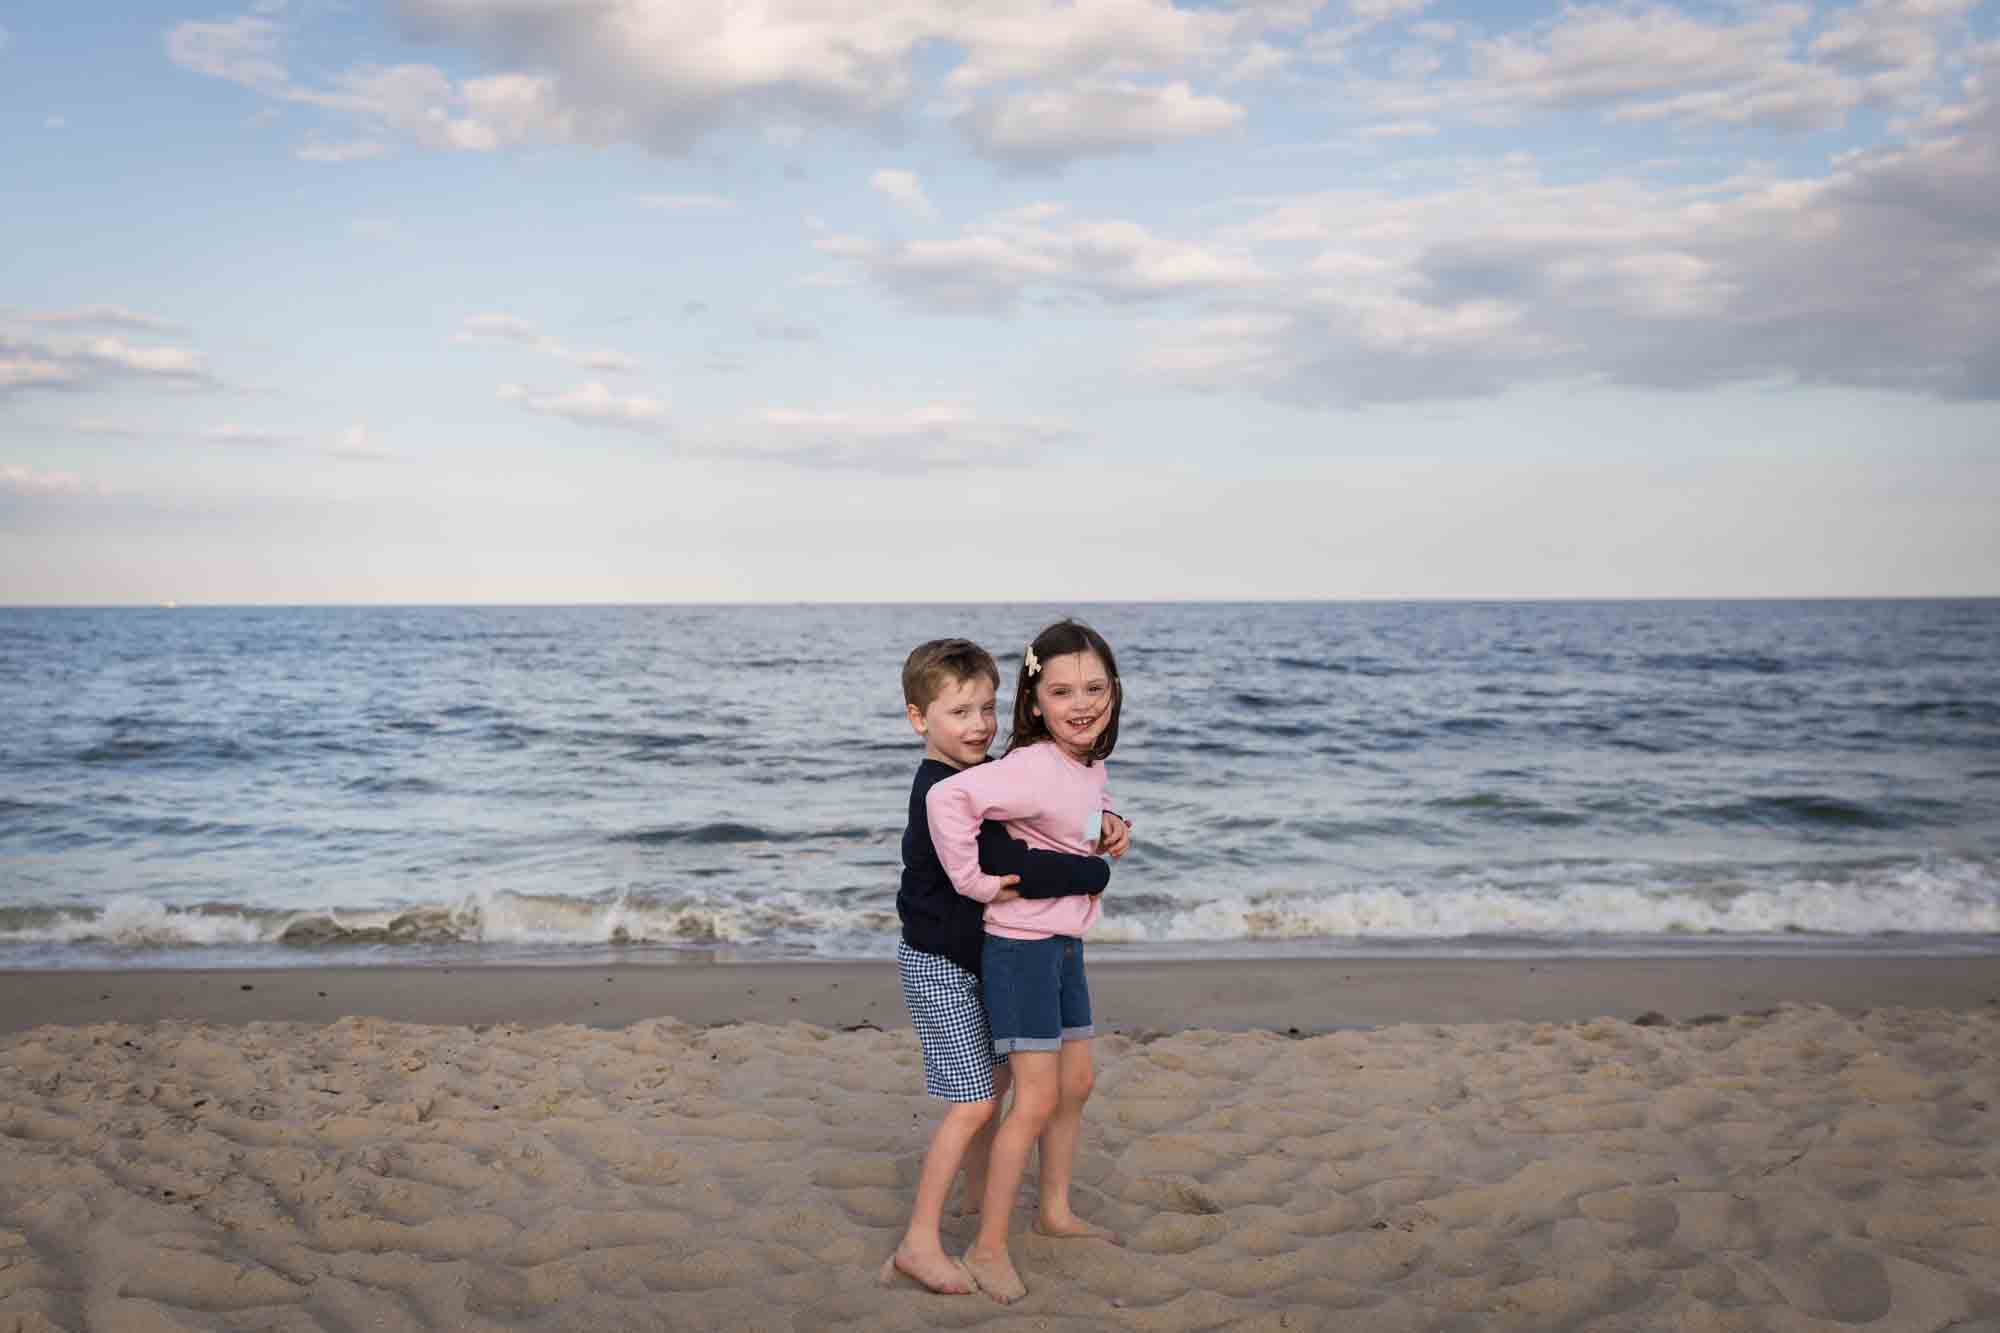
(1049, 788)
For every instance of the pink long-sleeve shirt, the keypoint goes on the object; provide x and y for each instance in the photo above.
(1047, 800)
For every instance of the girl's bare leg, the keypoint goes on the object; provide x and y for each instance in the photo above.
(979, 1152)
(1076, 1075)
(921, 1254)
(1036, 1093)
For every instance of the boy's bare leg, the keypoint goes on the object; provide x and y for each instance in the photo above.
(1035, 1096)
(921, 1254)
(980, 1151)
(1077, 1075)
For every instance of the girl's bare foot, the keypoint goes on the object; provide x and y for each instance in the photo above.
(996, 1276)
(938, 1272)
(1075, 1228)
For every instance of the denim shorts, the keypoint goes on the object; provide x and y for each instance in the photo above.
(1037, 996)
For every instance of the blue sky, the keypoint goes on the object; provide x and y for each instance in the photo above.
(545, 300)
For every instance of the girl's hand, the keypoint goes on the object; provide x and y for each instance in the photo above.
(1115, 838)
(1006, 894)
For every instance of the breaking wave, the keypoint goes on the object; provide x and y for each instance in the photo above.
(1948, 899)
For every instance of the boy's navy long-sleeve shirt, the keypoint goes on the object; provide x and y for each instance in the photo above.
(937, 918)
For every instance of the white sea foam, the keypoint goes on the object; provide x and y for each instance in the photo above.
(1953, 899)
(1934, 899)
(483, 918)
(138, 923)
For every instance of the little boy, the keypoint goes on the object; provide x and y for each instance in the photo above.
(948, 689)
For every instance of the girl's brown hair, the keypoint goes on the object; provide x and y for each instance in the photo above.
(1060, 640)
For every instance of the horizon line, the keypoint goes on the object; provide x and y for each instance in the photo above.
(1423, 599)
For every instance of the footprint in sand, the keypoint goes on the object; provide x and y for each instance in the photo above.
(1652, 1217)
(1178, 1233)
(1830, 1282)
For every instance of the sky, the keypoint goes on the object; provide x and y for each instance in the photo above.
(500, 301)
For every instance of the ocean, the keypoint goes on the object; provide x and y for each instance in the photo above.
(302, 786)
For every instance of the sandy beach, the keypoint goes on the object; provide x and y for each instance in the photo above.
(1720, 1144)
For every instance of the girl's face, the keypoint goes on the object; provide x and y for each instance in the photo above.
(1073, 695)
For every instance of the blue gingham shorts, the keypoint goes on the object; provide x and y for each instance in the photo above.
(951, 1024)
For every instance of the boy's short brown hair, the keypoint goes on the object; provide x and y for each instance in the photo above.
(931, 666)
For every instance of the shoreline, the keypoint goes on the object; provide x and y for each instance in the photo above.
(1302, 996)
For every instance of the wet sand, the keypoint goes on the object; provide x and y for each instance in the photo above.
(1229, 995)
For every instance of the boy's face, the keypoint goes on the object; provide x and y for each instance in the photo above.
(959, 724)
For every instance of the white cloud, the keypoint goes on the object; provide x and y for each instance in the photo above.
(665, 75)
(26, 365)
(1057, 125)
(55, 123)
(904, 189)
(942, 435)
(1399, 129)
(1769, 66)
(1415, 62)
(177, 363)
(20, 480)
(591, 404)
(511, 328)
(358, 442)
(1280, 14)
(345, 150)
(1240, 349)
(1053, 39)
(1511, 272)
(1880, 276)
(243, 50)
(417, 101)
(598, 358)
(525, 109)
(109, 316)
(233, 434)
(117, 430)
(82, 363)
(687, 203)
(1258, 62)
(1786, 98)
(1382, 11)
(1333, 42)
(1597, 53)
(1897, 38)
(993, 265)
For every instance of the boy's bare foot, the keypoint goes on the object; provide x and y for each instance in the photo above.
(996, 1277)
(938, 1272)
(1075, 1228)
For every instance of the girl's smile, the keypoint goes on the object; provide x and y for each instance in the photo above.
(1073, 696)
